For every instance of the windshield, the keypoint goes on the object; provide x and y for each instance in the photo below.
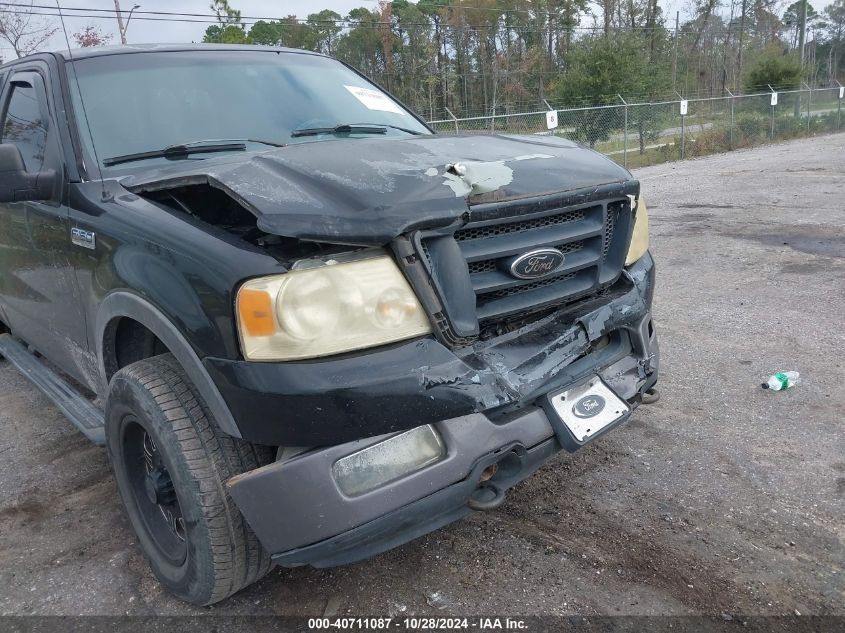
(149, 101)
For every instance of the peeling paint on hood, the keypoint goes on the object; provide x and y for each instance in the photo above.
(473, 178)
(368, 191)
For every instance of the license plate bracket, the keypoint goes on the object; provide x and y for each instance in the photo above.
(581, 413)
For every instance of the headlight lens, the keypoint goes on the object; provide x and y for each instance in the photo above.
(639, 240)
(328, 310)
(388, 461)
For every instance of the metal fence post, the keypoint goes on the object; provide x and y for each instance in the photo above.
(454, 118)
(683, 125)
(731, 128)
(772, 135)
(624, 134)
(586, 126)
(809, 108)
(839, 108)
(809, 102)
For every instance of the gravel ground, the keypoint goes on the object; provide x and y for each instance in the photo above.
(720, 498)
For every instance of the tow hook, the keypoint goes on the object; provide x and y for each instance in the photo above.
(491, 497)
(650, 396)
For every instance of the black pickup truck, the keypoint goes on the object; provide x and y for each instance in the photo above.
(306, 328)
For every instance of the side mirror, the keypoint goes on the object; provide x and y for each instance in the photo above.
(19, 185)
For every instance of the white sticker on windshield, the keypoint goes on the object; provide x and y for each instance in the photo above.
(374, 100)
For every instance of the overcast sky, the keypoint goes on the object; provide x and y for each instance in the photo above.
(144, 31)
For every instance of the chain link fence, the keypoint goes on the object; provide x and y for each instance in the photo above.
(638, 134)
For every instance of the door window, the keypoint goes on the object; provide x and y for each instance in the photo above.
(23, 126)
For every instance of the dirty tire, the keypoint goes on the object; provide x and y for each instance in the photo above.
(216, 553)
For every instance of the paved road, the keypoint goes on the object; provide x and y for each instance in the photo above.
(722, 497)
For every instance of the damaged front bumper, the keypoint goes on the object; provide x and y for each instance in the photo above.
(299, 512)
(329, 401)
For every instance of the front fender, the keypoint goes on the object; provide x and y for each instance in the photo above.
(120, 304)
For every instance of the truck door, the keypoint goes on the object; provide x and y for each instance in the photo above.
(38, 287)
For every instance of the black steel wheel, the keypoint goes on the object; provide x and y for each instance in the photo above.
(171, 463)
(153, 492)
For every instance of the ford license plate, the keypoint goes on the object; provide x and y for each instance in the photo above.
(579, 414)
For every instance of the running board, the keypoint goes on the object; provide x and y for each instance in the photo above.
(76, 407)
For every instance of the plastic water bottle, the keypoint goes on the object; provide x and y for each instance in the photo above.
(782, 380)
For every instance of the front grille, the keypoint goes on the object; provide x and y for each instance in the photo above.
(483, 267)
(608, 232)
(491, 230)
(583, 235)
(593, 238)
(513, 290)
(493, 264)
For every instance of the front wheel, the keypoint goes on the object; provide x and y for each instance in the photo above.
(171, 463)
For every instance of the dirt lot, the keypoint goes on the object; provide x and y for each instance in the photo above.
(720, 498)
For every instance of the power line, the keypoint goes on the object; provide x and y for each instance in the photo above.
(543, 13)
(207, 18)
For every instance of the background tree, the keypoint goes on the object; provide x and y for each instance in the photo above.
(361, 45)
(325, 27)
(600, 69)
(288, 31)
(266, 33)
(23, 30)
(835, 17)
(230, 29)
(91, 35)
(792, 20)
(832, 51)
(478, 57)
(781, 72)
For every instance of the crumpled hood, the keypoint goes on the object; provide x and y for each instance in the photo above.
(368, 191)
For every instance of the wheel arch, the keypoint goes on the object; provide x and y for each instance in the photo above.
(126, 305)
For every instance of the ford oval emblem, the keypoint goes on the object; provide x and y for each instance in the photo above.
(537, 263)
(588, 406)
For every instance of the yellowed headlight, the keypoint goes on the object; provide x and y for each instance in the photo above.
(639, 240)
(326, 310)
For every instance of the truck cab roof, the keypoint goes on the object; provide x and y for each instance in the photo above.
(126, 49)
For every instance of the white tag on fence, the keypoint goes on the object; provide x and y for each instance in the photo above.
(551, 119)
(684, 107)
(841, 92)
(774, 98)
